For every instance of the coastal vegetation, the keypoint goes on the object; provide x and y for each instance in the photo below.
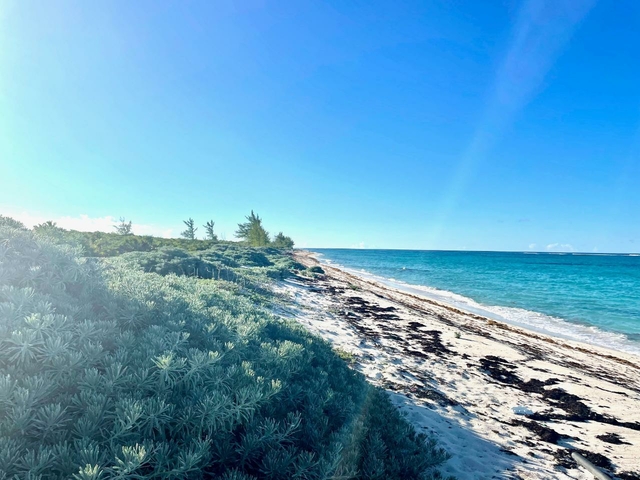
(128, 357)
(123, 228)
(190, 232)
(252, 231)
(208, 227)
(123, 240)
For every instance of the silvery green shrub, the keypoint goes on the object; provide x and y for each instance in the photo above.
(140, 368)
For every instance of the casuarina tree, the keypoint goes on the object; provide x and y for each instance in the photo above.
(208, 227)
(190, 232)
(253, 232)
(124, 227)
(282, 241)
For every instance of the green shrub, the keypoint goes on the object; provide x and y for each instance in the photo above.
(233, 263)
(282, 241)
(101, 244)
(110, 371)
(316, 269)
(344, 355)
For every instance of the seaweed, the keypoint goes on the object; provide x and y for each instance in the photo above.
(563, 458)
(546, 434)
(612, 438)
(576, 410)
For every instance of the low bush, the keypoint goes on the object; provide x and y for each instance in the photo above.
(344, 355)
(101, 244)
(126, 370)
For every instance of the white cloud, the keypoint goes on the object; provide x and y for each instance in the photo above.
(560, 247)
(85, 223)
(532, 246)
(358, 245)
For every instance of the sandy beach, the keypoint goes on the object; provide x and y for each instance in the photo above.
(504, 401)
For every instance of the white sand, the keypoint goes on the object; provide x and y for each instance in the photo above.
(428, 356)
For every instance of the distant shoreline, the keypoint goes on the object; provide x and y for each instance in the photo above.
(497, 306)
(576, 344)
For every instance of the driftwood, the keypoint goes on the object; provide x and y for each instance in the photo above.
(595, 471)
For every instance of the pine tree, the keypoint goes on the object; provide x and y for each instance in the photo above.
(209, 229)
(190, 232)
(124, 227)
(253, 232)
(282, 241)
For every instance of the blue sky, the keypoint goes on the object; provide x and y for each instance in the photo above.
(433, 124)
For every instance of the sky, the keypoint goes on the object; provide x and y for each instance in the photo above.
(497, 125)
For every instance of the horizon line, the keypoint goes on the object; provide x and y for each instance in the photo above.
(470, 251)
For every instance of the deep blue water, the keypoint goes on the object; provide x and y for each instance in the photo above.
(591, 298)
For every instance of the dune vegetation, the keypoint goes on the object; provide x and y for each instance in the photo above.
(125, 357)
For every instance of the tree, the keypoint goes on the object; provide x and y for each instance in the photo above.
(10, 222)
(190, 232)
(124, 227)
(47, 225)
(282, 241)
(209, 229)
(253, 232)
(50, 229)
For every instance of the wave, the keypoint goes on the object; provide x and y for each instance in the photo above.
(519, 317)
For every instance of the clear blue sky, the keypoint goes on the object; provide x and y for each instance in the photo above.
(499, 125)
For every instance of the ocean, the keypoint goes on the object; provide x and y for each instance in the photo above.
(592, 298)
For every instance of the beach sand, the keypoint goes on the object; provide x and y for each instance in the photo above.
(503, 401)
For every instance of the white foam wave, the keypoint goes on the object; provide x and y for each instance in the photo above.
(530, 320)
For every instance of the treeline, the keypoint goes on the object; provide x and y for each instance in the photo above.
(122, 240)
(255, 235)
(252, 232)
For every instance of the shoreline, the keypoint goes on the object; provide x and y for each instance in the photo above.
(463, 377)
(458, 302)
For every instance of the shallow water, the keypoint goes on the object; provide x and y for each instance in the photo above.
(593, 298)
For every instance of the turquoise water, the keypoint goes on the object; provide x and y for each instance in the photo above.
(594, 298)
